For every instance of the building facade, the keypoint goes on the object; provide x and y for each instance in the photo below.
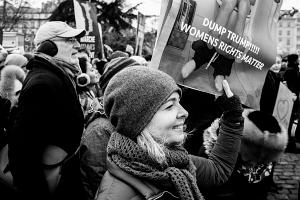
(288, 34)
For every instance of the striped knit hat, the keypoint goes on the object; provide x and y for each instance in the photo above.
(113, 67)
(134, 95)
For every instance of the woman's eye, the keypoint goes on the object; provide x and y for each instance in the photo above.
(169, 106)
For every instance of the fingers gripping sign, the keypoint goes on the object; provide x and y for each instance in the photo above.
(227, 89)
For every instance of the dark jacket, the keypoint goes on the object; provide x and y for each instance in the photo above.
(49, 113)
(4, 120)
(292, 78)
(269, 92)
(212, 171)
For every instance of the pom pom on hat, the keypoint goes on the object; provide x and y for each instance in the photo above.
(134, 95)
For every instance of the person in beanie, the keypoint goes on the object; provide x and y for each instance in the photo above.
(145, 157)
(49, 121)
(95, 137)
(117, 54)
(263, 142)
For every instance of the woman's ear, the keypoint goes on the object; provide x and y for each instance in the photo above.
(48, 47)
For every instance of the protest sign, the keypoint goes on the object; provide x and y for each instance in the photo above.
(243, 49)
(86, 18)
(284, 105)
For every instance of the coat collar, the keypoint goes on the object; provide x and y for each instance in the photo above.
(149, 191)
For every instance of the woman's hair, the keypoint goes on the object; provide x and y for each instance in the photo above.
(153, 145)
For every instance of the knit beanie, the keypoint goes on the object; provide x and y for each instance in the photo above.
(117, 54)
(134, 95)
(113, 67)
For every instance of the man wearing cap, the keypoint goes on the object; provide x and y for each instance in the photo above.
(49, 121)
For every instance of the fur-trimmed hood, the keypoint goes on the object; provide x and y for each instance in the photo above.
(11, 80)
(262, 146)
(257, 146)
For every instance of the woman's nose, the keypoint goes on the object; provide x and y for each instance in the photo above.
(182, 112)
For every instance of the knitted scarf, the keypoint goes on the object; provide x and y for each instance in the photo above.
(177, 174)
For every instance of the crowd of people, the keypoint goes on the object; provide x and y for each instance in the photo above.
(73, 127)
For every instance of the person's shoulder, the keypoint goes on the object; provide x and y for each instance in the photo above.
(114, 188)
(42, 77)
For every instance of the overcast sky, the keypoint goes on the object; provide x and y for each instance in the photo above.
(152, 7)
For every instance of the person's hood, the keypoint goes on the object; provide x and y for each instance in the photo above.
(256, 146)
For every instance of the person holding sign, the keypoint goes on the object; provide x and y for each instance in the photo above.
(263, 143)
(145, 157)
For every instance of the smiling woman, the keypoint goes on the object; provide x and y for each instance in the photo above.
(145, 156)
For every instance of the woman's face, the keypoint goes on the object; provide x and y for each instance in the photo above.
(168, 123)
(93, 73)
(276, 67)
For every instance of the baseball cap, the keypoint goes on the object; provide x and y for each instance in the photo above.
(54, 29)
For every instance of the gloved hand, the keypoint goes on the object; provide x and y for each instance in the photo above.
(231, 105)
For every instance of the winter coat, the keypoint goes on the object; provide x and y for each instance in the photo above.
(48, 113)
(269, 92)
(213, 171)
(252, 175)
(119, 185)
(93, 154)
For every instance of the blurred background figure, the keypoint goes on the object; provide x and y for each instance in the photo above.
(263, 143)
(271, 86)
(12, 77)
(107, 51)
(140, 60)
(84, 52)
(129, 49)
(292, 79)
(18, 60)
(117, 54)
(3, 54)
(96, 136)
(85, 82)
